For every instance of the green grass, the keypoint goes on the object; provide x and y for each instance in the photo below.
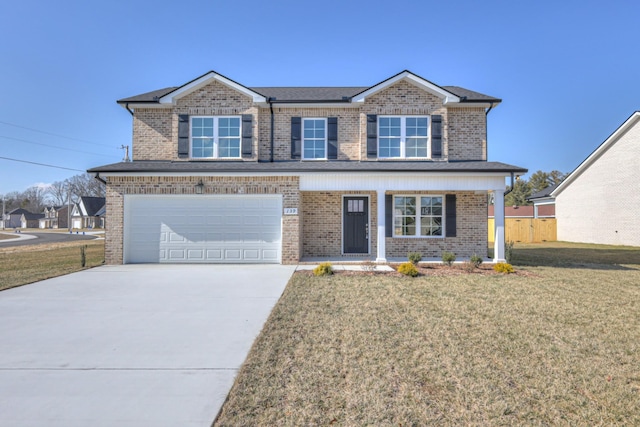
(557, 345)
(27, 264)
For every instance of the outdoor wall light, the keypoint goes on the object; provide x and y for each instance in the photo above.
(199, 187)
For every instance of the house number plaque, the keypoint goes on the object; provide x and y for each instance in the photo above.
(291, 211)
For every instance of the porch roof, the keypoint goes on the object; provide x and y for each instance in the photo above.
(213, 167)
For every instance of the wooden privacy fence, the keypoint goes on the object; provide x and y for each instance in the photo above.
(526, 230)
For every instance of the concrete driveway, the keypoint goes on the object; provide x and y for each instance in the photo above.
(134, 345)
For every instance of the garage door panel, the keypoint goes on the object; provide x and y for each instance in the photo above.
(190, 229)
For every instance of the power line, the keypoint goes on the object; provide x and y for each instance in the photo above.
(52, 146)
(52, 134)
(41, 164)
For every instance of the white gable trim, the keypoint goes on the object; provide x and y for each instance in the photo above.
(613, 138)
(446, 96)
(204, 80)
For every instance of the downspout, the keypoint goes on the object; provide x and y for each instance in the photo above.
(270, 101)
(128, 109)
(97, 176)
(510, 189)
(486, 131)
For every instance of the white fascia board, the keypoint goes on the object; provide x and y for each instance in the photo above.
(206, 79)
(612, 139)
(447, 97)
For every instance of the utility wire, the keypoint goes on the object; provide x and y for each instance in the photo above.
(52, 146)
(41, 164)
(53, 134)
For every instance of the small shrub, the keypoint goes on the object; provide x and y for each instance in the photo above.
(368, 265)
(476, 260)
(408, 269)
(324, 269)
(508, 251)
(503, 267)
(414, 257)
(448, 258)
(468, 266)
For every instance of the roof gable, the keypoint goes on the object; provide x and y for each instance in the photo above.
(91, 205)
(204, 80)
(598, 152)
(446, 96)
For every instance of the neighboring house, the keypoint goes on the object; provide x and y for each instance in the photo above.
(226, 173)
(514, 211)
(544, 205)
(88, 212)
(30, 220)
(55, 217)
(599, 201)
(14, 218)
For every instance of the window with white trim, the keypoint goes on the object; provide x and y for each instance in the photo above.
(403, 137)
(215, 137)
(418, 216)
(314, 139)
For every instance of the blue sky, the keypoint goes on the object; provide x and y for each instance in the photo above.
(567, 71)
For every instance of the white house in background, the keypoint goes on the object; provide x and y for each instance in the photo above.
(599, 202)
(89, 212)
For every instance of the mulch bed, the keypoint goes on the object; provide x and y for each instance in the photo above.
(439, 270)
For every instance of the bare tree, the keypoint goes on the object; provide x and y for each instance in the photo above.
(33, 199)
(85, 185)
(57, 193)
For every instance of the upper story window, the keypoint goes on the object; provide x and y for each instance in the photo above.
(314, 135)
(403, 136)
(215, 137)
(418, 216)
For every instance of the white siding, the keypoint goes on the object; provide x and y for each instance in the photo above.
(601, 204)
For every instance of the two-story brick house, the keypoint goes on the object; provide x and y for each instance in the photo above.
(222, 172)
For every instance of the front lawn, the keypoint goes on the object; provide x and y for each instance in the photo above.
(20, 265)
(558, 345)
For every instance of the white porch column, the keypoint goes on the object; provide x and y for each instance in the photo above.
(498, 215)
(382, 256)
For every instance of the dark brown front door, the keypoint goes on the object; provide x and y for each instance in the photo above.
(355, 233)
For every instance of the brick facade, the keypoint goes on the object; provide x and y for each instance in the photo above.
(317, 230)
(322, 223)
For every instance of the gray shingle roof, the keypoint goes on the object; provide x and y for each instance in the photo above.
(546, 192)
(93, 204)
(142, 166)
(307, 94)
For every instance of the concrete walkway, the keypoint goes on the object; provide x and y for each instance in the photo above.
(135, 345)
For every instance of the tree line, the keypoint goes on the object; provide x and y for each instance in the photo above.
(36, 198)
(523, 189)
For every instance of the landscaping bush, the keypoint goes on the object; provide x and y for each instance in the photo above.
(448, 258)
(508, 251)
(414, 257)
(408, 269)
(476, 260)
(503, 267)
(324, 269)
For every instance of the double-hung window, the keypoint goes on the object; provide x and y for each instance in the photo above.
(403, 136)
(314, 139)
(215, 137)
(418, 216)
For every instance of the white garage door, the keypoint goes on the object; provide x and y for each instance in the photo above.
(203, 229)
